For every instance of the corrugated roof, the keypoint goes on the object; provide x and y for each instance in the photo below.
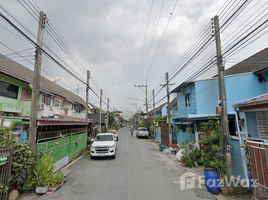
(253, 64)
(255, 100)
(157, 109)
(18, 71)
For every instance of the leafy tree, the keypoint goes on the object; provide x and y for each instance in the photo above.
(111, 119)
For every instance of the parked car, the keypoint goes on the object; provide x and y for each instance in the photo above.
(142, 132)
(104, 145)
(115, 134)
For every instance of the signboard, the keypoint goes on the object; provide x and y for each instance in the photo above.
(7, 107)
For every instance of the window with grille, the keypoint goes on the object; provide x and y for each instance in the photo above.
(58, 103)
(262, 123)
(187, 100)
(46, 99)
(8, 90)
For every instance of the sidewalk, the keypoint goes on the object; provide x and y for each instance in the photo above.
(194, 172)
(34, 196)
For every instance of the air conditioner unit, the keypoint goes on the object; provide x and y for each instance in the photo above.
(41, 106)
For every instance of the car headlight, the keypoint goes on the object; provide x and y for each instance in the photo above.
(112, 146)
(92, 147)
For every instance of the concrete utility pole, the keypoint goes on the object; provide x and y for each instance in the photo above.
(107, 114)
(146, 100)
(86, 111)
(154, 114)
(36, 79)
(224, 117)
(169, 114)
(87, 88)
(100, 106)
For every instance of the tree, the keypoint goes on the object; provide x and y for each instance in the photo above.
(111, 120)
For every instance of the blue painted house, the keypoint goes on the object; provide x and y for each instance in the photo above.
(160, 110)
(197, 100)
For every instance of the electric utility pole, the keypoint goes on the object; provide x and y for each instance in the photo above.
(87, 88)
(86, 111)
(224, 120)
(36, 79)
(100, 106)
(154, 113)
(146, 100)
(107, 113)
(224, 117)
(169, 115)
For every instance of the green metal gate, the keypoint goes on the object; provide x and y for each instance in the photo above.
(71, 146)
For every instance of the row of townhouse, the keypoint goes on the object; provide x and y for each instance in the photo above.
(247, 108)
(61, 124)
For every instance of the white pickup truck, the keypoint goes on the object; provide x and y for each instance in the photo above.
(142, 132)
(103, 145)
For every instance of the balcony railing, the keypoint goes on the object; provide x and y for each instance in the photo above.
(183, 110)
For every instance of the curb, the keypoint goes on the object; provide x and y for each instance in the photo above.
(219, 196)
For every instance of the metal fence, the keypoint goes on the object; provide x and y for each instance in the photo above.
(6, 155)
(258, 160)
(63, 149)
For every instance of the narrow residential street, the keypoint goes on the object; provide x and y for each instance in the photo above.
(140, 171)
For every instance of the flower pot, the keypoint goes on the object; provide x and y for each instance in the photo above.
(224, 190)
(231, 188)
(24, 191)
(41, 190)
(50, 191)
(212, 180)
(13, 195)
(32, 190)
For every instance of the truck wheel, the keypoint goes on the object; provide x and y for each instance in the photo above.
(113, 156)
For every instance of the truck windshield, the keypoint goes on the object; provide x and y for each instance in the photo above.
(143, 129)
(104, 138)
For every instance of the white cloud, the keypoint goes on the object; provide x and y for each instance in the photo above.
(108, 37)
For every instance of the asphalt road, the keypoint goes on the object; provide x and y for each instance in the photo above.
(139, 172)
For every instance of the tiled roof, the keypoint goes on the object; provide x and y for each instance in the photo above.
(253, 64)
(18, 71)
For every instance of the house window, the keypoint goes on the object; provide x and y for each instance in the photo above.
(187, 100)
(262, 123)
(46, 99)
(8, 90)
(58, 103)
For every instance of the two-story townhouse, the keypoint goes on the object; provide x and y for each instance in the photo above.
(15, 96)
(160, 110)
(197, 100)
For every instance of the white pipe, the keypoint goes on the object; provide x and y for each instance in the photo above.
(243, 152)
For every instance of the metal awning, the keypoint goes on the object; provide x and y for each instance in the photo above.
(183, 123)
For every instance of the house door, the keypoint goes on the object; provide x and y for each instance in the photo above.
(164, 134)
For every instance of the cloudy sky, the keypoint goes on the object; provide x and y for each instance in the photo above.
(122, 42)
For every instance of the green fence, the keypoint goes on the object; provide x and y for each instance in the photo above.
(72, 145)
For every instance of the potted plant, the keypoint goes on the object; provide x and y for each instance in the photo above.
(57, 181)
(214, 157)
(43, 172)
(21, 164)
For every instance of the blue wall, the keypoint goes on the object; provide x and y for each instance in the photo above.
(242, 87)
(237, 167)
(164, 110)
(206, 96)
(183, 137)
(158, 134)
